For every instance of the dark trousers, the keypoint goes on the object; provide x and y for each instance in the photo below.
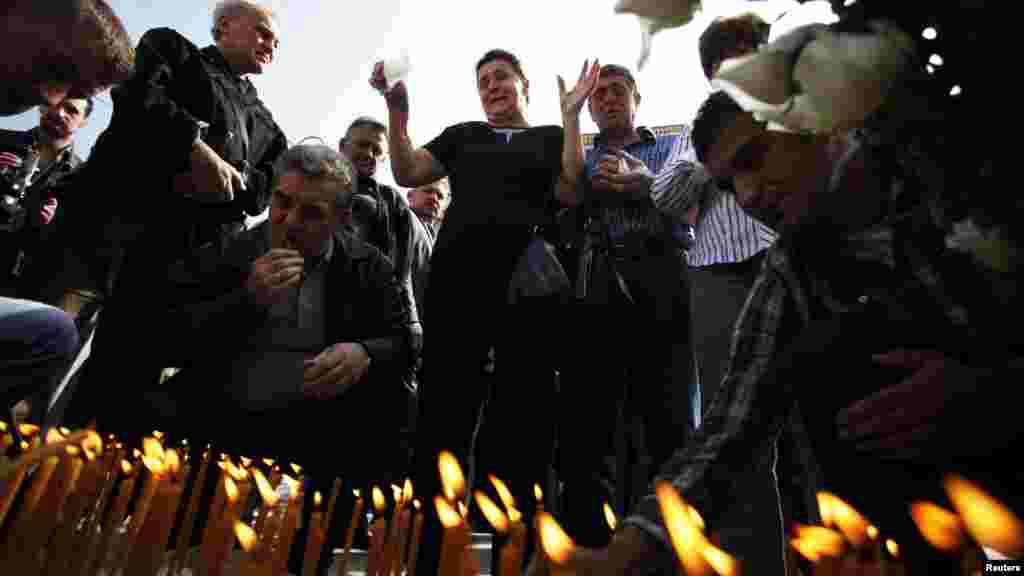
(516, 438)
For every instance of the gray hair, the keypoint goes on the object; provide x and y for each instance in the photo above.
(319, 162)
(229, 9)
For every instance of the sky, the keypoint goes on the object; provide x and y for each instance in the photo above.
(319, 81)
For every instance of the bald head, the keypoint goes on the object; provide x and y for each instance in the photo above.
(60, 48)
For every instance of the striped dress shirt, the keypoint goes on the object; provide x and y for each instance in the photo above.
(724, 232)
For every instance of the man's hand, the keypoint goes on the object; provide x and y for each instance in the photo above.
(273, 275)
(622, 173)
(213, 179)
(572, 100)
(397, 98)
(335, 370)
(8, 160)
(900, 420)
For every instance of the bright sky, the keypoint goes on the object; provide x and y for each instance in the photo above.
(319, 82)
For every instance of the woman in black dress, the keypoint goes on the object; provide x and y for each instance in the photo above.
(507, 177)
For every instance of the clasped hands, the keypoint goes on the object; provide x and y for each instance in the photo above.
(619, 172)
(272, 278)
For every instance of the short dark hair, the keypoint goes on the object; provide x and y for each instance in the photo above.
(724, 35)
(89, 105)
(714, 115)
(498, 54)
(101, 51)
(617, 70)
(363, 122)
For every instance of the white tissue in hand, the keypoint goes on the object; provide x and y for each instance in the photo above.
(837, 81)
(396, 68)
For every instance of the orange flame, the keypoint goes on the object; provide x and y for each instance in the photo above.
(494, 515)
(695, 517)
(173, 461)
(609, 516)
(158, 434)
(538, 494)
(396, 495)
(27, 430)
(357, 494)
(266, 491)
(380, 504)
(152, 450)
(416, 504)
(317, 499)
(514, 515)
(503, 492)
(838, 514)
(24, 446)
(815, 542)
(872, 533)
(72, 450)
(53, 435)
(893, 548)
(722, 563)
(940, 527)
(556, 543)
(238, 474)
(92, 445)
(407, 492)
(293, 487)
(453, 481)
(126, 467)
(3, 426)
(446, 513)
(269, 462)
(136, 453)
(246, 536)
(687, 539)
(64, 431)
(297, 469)
(246, 462)
(230, 490)
(990, 523)
(463, 510)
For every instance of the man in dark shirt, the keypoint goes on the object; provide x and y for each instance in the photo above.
(430, 203)
(191, 136)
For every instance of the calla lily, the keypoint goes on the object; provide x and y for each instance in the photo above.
(817, 80)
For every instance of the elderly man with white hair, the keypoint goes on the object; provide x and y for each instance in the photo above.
(189, 153)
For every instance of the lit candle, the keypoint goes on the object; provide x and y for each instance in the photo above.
(508, 565)
(404, 519)
(512, 553)
(331, 503)
(224, 540)
(390, 546)
(414, 544)
(453, 481)
(822, 546)
(455, 539)
(350, 533)
(184, 543)
(214, 520)
(685, 528)
(378, 530)
(291, 523)
(555, 543)
(314, 539)
(251, 544)
(69, 512)
(31, 528)
(264, 523)
(152, 541)
(988, 521)
(153, 460)
(106, 476)
(116, 519)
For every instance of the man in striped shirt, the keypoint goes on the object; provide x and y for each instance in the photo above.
(635, 359)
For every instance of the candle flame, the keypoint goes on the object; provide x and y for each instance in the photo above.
(893, 548)
(396, 495)
(407, 491)
(293, 486)
(990, 523)
(297, 469)
(453, 481)
(152, 450)
(722, 563)
(379, 502)
(246, 462)
(3, 426)
(64, 431)
(126, 467)
(836, 513)
(317, 499)
(158, 435)
(357, 494)
(173, 461)
(416, 504)
(940, 527)
(92, 445)
(53, 435)
(695, 517)
(246, 536)
(609, 516)
(463, 510)
(872, 533)
(503, 492)
(238, 474)
(538, 494)
(136, 453)
(28, 429)
(556, 543)
(815, 542)
(267, 493)
(494, 515)
(269, 462)
(687, 539)
(230, 489)
(446, 513)
(156, 467)
(72, 450)
(24, 446)
(184, 442)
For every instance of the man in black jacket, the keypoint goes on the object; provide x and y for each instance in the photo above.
(305, 326)
(191, 139)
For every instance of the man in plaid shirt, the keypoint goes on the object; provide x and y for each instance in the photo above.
(859, 293)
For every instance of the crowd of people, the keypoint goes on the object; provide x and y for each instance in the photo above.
(753, 312)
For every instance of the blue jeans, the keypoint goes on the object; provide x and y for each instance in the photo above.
(36, 343)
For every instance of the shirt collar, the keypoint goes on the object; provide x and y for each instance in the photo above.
(646, 135)
(64, 154)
